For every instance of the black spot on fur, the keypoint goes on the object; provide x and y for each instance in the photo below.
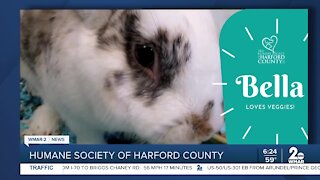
(122, 31)
(177, 41)
(186, 52)
(51, 19)
(210, 104)
(107, 84)
(171, 53)
(122, 138)
(222, 104)
(110, 34)
(118, 77)
(35, 33)
(207, 110)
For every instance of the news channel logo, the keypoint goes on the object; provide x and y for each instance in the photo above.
(296, 156)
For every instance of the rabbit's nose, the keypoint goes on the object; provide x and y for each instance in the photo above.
(201, 126)
(200, 123)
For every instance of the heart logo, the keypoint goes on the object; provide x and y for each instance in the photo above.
(270, 43)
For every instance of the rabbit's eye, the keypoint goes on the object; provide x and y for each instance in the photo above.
(146, 57)
(144, 54)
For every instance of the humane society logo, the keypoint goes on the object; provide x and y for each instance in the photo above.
(269, 55)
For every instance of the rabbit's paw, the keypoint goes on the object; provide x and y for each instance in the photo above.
(44, 121)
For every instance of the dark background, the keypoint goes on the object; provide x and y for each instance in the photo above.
(10, 74)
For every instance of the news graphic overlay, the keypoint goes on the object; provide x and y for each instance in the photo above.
(168, 160)
(264, 60)
(264, 57)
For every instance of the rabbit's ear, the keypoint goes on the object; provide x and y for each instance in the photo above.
(94, 18)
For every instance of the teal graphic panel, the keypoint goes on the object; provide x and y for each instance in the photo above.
(264, 59)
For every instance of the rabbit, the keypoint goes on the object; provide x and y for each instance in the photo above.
(148, 73)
